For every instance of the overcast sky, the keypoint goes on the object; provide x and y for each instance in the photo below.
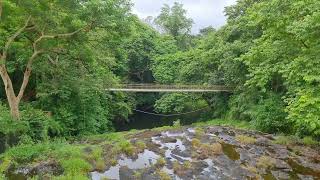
(203, 12)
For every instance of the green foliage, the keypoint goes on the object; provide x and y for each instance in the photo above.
(28, 152)
(176, 123)
(173, 21)
(225, 122)
(76, 166)
(7, 125)
(269, 116)
(269, 53)
(126, 147)
(69, 177)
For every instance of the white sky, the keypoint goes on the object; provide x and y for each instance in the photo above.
(203, 12)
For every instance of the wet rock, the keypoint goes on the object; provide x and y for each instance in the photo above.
(148, 174)
(169, 140)
(262, 141)
(126, 174)
(280, 175)
(181, 153)
(305, 177)
(48, 168)
(280, 164)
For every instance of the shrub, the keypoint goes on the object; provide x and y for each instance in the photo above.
(28, 152)
(39, 124)
(270, 116)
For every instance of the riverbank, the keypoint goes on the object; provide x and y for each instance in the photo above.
(219, 148)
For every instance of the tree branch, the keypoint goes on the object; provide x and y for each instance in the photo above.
(12, 38)
(35, 54)
(27, 73)
(43, 36)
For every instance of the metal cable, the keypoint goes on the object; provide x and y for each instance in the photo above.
(169, 115)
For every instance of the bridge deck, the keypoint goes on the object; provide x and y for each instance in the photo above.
(169, 88)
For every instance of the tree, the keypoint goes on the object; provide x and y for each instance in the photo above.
(174, 21)
(34, 31)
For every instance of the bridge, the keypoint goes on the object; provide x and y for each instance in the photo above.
(169, 88)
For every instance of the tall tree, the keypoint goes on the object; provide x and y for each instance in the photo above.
(34, 31)
(174, 21)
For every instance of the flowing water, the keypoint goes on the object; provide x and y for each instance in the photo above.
(146, 121)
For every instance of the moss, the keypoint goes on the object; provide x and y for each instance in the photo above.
(195, 143)
(266, 162)
(163, 175)
(137, 175)
(104, 178)
(187, 164)
(245, 139)
(160, 162)
(199, 132)
(176, 166)
(100, 165)
(181, 169)
(113, 162)
(252, 169)
(141, 145)
(216, 149)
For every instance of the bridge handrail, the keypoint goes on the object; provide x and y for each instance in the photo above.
(173, 86)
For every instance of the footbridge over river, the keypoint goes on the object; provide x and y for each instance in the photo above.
(170, 88)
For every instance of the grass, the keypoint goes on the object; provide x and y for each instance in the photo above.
(76, 159)
(76, 166)
(245, 139)
(127, 148)
(140, 145)
(223, 122)
(266, 162)
(294, 140)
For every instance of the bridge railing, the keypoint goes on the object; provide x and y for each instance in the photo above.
(175, 86)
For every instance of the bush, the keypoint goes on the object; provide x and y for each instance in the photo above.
(270, 116)
(40, 124)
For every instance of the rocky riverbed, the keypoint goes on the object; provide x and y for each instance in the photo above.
(201, 154)
(214, 153)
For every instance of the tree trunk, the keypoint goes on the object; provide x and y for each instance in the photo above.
(13, 101)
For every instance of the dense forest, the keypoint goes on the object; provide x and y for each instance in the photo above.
(57, 59)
